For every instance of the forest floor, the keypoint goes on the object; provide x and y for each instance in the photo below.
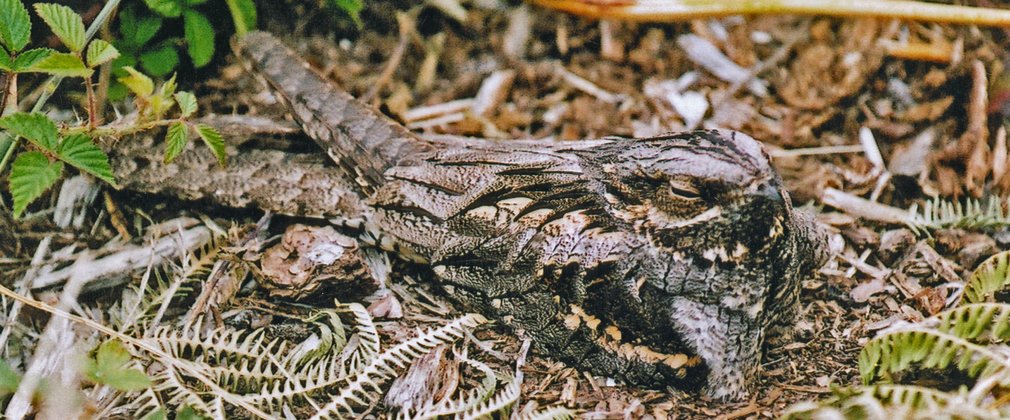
(889, 111)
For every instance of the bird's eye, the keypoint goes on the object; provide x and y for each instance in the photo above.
(684, 190)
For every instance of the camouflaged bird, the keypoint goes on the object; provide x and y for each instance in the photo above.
(662, 260)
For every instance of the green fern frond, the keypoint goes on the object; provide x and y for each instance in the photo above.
(943, 340)
(972, 214)
(893, 401)
(364, 388)
(990, 277)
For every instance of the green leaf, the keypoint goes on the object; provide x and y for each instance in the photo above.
(138, 83)
(82, 153)
(135, 31)
(175, 140)
(213, 140)
(188, 413)
(167, 8)
(110, 368)
(6, 63)
(9, 379)
(187, 103)
(35, 127)
(28, 58)
(195, 2)
(199, 37)
(15, 25)
(243, 14)
(158, 414)
(101, 52)
(62, 64)
(352, 8)
(31, 175)
(161, 61)
(65, 23)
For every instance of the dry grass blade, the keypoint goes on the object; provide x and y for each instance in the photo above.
(677, 10)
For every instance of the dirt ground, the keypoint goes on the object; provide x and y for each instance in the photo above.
(811, 88)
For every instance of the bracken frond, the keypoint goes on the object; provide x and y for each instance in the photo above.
(989, 278)
(950, 338)
(972, 214)
(364, 388)
(888, 401)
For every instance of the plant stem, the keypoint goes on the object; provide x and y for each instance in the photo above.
(117, 131)
(89, 91)
(677, 10)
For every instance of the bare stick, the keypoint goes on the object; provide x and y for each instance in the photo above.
(678, 10)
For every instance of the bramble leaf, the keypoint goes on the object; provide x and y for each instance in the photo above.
(6, 64)
(138, 83)
(352, 8)
(65, 23)
(62, 64)
(28, 58)
(9, 379)
(175, 139)
(110, 367)
(199, 37)
(15, 25)
(213, 140)
(35, 127)
(187, 103)
(82, 153)
(101, 52)
(158, 414)
(31, 175)
(160, 61)
(167, 8)
(243, 14)
(135, 31)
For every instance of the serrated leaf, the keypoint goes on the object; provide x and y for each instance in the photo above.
(167, 8)
(167, 89)
(213, 139)
(65, 23)
(158, 414)
(110, 368)
(62, 64)
(28, 58)
(199, 37)
(137, 30)
(101, 52)
(9, 379)
(175, 140)
(15, 25)
(243, 14)
(352, 8)
(6, 64)
(138, 83)
(82, 153)
(35, 127)
(161, 61)
(187, 103)
(188, 413)
(31, 175)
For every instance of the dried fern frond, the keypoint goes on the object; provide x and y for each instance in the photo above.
(456, 407)
(364, 388)
(990, 277)
(549, 413)
(971, 214)
(950, 338)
